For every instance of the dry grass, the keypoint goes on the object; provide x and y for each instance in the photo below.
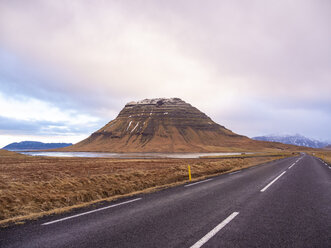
(255, 155)
(34, 186)
(323, 154)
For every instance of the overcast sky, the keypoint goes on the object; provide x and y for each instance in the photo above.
(257, 67)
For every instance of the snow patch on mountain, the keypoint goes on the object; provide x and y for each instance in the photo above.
(297, 140)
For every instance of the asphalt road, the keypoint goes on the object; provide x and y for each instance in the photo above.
(285, 203)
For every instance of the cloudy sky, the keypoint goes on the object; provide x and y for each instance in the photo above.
(256, 67)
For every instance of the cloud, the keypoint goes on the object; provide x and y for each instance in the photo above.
(15, 130)
(27, 108)
(112, 48)
(44, 128)
(244, 64)
(253, 118)
(29, 116)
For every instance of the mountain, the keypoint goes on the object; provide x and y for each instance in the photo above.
(297, 140)
(34, 145)
(165, 125)
(328, 147)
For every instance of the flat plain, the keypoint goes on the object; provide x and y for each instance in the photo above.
(31, 187)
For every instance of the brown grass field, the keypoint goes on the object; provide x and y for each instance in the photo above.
(323, 154)
(31, 187)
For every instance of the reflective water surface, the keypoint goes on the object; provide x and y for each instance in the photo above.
(125, 155)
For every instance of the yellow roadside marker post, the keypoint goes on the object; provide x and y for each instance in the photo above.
(189, 173)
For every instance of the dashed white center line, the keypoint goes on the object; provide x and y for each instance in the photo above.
(265, 188)
(89, 212)
(203, 181)
(291, 166)
(209, 235)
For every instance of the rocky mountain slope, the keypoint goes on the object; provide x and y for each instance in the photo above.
(165, 125)
(33, 145)
(297, 140)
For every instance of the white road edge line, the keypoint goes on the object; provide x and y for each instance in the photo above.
(265, 188)
(209, 235)
(203, 181)
(89, 212)
(234, 172)
(291, 166)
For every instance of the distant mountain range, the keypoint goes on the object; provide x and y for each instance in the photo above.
(34, 145)
(297, 140)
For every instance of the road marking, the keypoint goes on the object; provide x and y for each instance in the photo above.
(89, 212)
(203, 181)
(291, 166)
(209, 235)
(234, 172)
(265, 188)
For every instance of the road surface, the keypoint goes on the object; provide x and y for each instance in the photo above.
(284, 203)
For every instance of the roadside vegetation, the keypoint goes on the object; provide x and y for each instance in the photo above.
(31, 187)
(323, 154)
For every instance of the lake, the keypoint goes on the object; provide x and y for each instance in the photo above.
(124, 155)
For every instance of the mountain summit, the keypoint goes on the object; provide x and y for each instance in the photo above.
(162, 125)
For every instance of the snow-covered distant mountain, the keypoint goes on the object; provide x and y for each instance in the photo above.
(297, 140)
